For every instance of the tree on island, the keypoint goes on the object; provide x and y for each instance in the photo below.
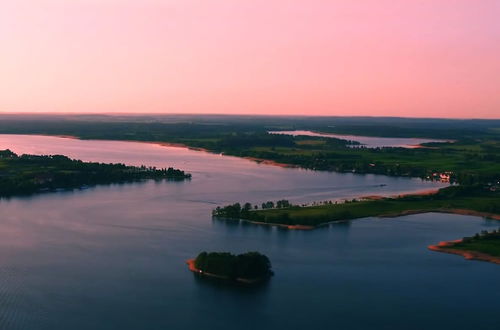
(237, 211)
(250, 265)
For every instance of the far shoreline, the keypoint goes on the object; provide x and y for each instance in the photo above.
(177, 145)
(182, 145)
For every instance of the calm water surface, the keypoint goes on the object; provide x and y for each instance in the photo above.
(112, 257)
(367, 141)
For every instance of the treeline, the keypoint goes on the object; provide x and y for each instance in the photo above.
(485, 242)
(237, 211)
(27, 174)
(484, 236)
(250, 265)
(236, 141)
(161, 126)
(465, 168)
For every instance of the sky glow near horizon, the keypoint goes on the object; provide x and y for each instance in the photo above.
(409, 58)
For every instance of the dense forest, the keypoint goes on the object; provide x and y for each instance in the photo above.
(27, 174)
(250, 265)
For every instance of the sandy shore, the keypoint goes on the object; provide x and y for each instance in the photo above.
(447, 247)
(270, 162)
(372, 198)
(175, 145)
(66, 137)
(192, 267)
(421, 193)
(419, 146)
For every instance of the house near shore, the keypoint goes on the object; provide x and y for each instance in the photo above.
(442, 176)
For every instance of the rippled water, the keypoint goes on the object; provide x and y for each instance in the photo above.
(112, 257)
(367, 141)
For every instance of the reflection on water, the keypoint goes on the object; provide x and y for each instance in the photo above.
(113, 257)
(232, 287)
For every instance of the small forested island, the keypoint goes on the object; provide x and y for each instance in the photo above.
(28, 174)
(481, 200)
(484, 246)
(247, 268)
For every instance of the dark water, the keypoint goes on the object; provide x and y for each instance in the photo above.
(112, 257)
(367, 141)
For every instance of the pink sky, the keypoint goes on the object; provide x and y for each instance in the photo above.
(427, 58)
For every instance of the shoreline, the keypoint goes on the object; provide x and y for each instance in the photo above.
(182, 145)
(62, 136)
(163, 144)
(418, 193)
(488, 215)
(447, 247)
(270, 162)
(291, 227)
(492, 216)
(192, 268)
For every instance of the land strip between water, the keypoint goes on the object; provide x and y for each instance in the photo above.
(470, 254)
(467, 200)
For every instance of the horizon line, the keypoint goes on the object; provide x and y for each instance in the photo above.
(70, 113)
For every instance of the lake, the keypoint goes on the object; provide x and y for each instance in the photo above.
(366, 141)
(113, 257)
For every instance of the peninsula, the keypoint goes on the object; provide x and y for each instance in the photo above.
(484, 246)
(28, 174)
(481, 200)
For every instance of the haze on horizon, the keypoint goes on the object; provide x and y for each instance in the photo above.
(414, 58)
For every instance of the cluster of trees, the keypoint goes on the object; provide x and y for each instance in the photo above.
(489, 203)
(484, 236)
(283, 203)
(250, 265)
(28, 174)
(237, 211)
(485, 242)
(231, 211)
